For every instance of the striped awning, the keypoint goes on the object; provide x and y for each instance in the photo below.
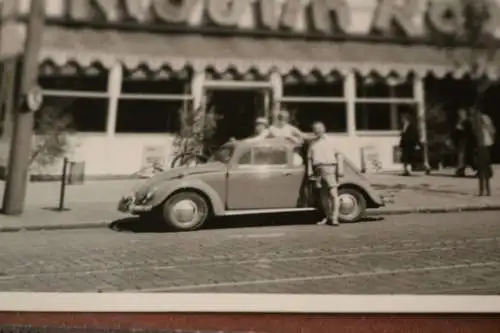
(63, 45)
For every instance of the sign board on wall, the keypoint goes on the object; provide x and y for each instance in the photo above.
(411, 18)
(153, 156)
(370, 159)
(76, 173)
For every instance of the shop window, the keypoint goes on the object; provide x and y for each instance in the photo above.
(319, 89)
(333, 115)
(382, 88)
(148, 116)
(85, 114)
(95, 83)
(170, 86)
(381, 116)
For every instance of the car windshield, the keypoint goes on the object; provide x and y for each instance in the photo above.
(223, 154)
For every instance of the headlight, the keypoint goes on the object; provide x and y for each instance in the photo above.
(149, 196)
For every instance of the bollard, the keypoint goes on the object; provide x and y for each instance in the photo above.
(64, 177)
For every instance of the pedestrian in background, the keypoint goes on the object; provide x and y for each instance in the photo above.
(408, 143)
(465, 144)
(324, 167)
(484, 132)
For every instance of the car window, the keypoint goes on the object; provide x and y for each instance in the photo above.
(246, 158)
(269, 155)
(223, 155)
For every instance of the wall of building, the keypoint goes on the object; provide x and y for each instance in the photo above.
(119, 154)
(124, 155)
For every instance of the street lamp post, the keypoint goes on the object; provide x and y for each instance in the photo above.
(21, 143)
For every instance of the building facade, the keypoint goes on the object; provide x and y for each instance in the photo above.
(126, 70)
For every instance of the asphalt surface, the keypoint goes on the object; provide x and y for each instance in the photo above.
(411, 254)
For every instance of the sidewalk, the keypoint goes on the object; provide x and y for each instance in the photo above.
(437, 182)
(93, 204)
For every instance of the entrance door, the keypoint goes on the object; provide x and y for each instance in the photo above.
(236, 111)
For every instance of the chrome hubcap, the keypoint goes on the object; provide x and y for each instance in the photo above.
(348, 205)
(185, 211)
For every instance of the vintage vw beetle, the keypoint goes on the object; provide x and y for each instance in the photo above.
(244, 177)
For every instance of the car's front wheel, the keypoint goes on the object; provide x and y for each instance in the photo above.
(186, 211)
(352, 205)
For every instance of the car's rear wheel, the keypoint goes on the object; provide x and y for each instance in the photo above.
(186, 211)
(352, 205)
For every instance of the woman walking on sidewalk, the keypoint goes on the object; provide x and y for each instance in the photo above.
(465, 142)
(484, 132)
(408, 143)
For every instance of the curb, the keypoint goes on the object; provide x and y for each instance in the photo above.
(54, 227)
(435, 210)
(389, 212)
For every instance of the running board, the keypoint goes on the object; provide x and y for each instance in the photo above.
(267, 211)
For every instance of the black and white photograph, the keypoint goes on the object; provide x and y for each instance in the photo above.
(327, 147)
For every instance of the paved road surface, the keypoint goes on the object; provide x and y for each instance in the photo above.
(425, 254)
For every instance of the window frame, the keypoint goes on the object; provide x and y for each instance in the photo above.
(322, 100)
(186, 99)
(82, 94)
(390, 101)
(333, 99)
(393, 103)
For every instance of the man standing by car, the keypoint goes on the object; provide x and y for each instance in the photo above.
(324, 166)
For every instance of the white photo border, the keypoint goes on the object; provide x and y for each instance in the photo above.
(244, 303)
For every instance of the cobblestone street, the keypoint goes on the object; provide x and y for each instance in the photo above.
(449, 253)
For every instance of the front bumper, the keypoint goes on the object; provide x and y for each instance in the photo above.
(128, 205)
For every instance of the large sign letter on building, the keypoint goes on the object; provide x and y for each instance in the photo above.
(391, 12)
(493, 24)
(80, 10)
(137, 9)
(446, 17)
(322, 11)
(174, 11)
(227, 13)
(269, 16)
(292, 10)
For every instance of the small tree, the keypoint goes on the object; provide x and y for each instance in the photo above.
(197, 130)
(52, 128)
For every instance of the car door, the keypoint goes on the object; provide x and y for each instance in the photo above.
(264, 178)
